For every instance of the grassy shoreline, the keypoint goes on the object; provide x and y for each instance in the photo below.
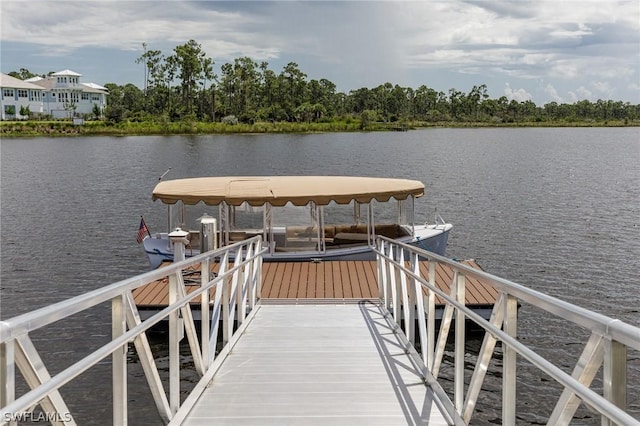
(100, 128)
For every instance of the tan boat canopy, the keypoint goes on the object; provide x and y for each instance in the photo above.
(280, 190)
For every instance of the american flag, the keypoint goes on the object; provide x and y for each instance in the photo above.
(142, 230)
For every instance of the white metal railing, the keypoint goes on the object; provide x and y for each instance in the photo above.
(237, 299)
(411, 300)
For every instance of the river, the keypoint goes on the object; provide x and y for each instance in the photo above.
(555, 209)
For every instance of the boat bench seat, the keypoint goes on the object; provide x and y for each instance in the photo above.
(356, 232)
(236, 236)
(386, 230)
(350, 238)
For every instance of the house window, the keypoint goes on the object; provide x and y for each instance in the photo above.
(7, 93)
(35, 95)
(95, 97)
(23, 93)
(85, 96)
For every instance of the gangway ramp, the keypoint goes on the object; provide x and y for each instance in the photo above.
(320, 364)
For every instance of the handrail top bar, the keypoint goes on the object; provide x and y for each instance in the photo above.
(27, 322)
(618, 330)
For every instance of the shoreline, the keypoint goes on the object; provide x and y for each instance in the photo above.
(99, 128)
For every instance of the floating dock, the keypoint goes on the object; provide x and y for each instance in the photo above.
(343, 281)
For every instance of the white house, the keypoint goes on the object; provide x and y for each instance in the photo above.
(62, 95)
(18, 95)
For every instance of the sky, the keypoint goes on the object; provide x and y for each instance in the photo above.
(538, 50)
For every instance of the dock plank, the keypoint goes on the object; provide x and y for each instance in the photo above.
(344, 280)
(337, 280)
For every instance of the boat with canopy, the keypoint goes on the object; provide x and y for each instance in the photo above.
(299, 217)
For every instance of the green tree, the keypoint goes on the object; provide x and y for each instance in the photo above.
(269, 108)
(292, 85)
(456, 102)
(25, 111)
(240, 89)
(132, 99)
(155, 90)
(191, 66)
(476, 96)
(96, 111)
(10, 111)
(23, 74)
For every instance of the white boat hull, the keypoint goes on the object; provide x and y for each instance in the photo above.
(429, 237)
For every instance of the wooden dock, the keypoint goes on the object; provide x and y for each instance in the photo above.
(318, 282)
(319, 365)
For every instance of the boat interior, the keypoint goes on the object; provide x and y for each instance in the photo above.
(295, 238)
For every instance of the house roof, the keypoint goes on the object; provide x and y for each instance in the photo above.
(15, 83)
(95, 87)
(67, 73)
(45, 83)
(50, 82)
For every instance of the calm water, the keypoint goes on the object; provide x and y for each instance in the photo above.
(554, 209)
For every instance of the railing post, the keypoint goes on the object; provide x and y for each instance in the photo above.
(7, 373)
(413, 304)
(119, 364)
(431, 316)
(248, 279)
(396, 291)
(615, 375)
(382, 275)
(205, 328)
(509, 362)
(174, 348)
(239, 278)
(255, 275)
(226, 290)
(179, 240)
(420, 313)
(404, 290)
(459, 344)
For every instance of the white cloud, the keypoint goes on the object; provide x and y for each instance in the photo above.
(603, 87)
(130, 24)
(553, 93)
(519, 95)
(570, 43)
(583, 93)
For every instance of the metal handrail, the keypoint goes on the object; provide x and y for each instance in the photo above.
(395, 280)
(30, 321)
(237, 287)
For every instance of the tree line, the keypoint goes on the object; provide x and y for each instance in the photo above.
(183, 86)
